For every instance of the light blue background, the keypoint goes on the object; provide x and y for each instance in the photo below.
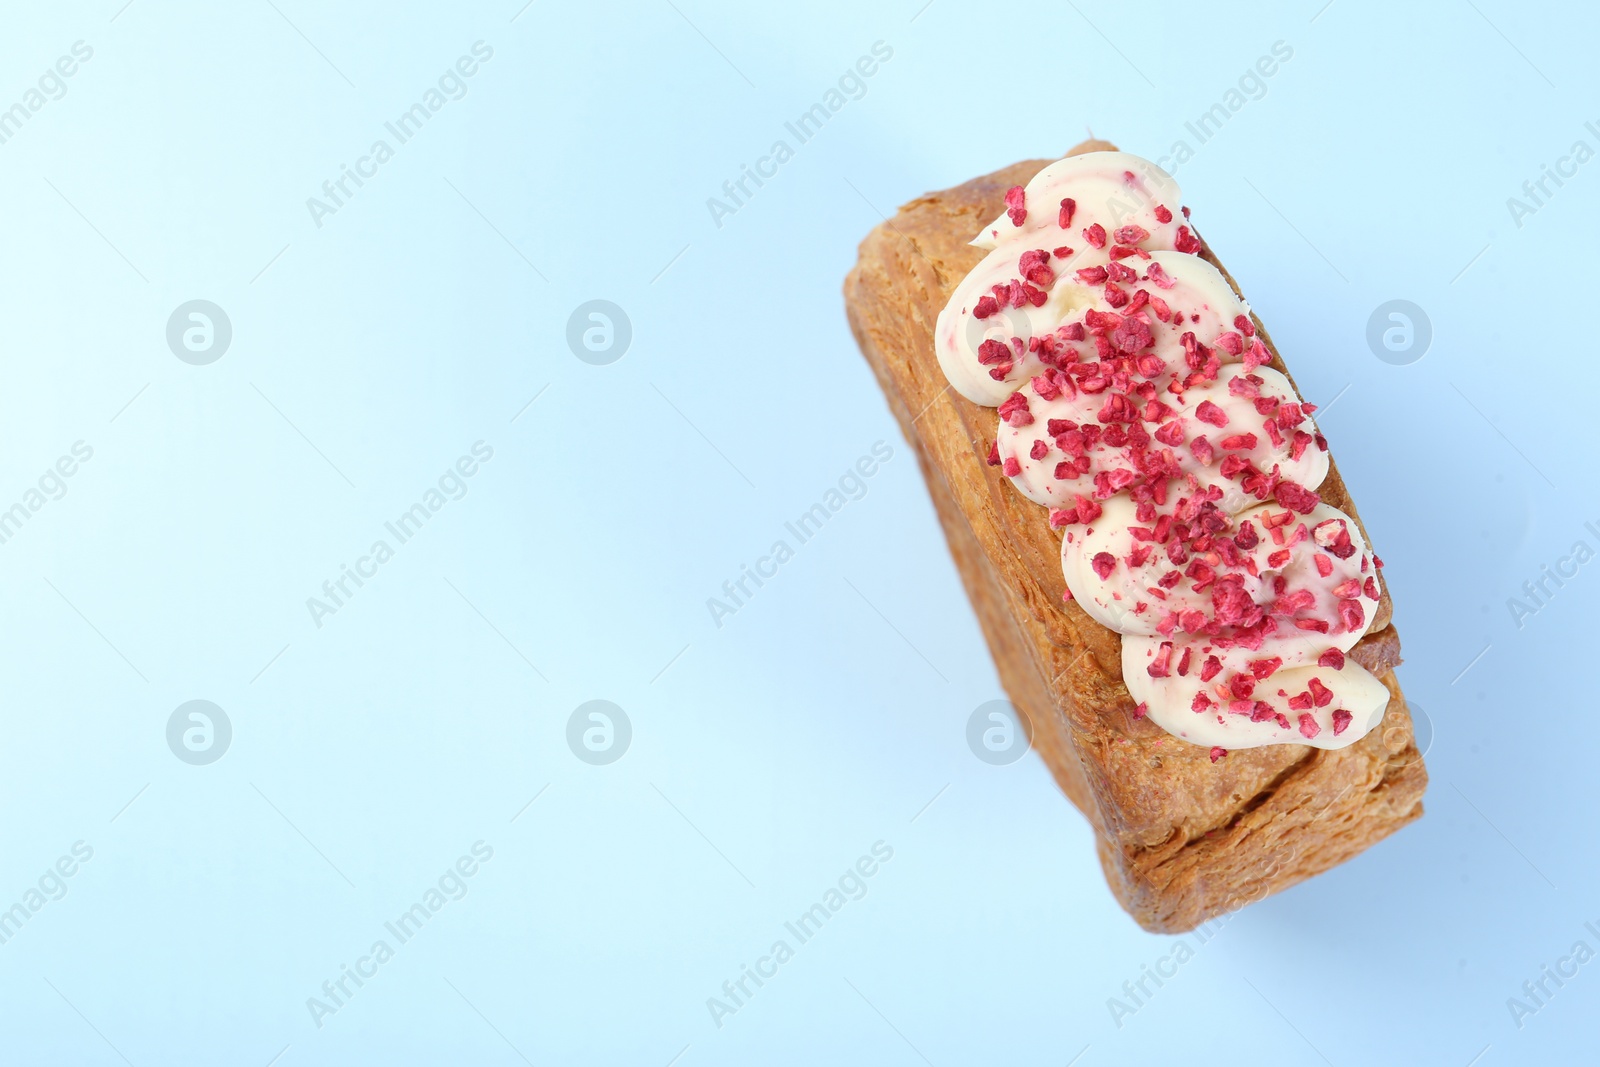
(768, 754)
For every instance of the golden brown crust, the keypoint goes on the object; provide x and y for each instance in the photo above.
(1181, 839)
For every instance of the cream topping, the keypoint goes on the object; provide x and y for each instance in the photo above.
(1134, 402)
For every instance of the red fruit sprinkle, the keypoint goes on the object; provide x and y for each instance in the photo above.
(1324, 565)
(1217, 752)
(1130, 234)
(1321, 695)
(1011, 467)
(1069, 207)
(1293, 495)
(987, 305)
(1159, 277)
(1239, 442)
(1103, 563)
(994, 454)
(1140, 710)
(993, 351)
(1063, 252)
(1034, 266)
(1243, 324)
(1160, 667)
(1187, 242)
(1015, 410)
(1210, 668)
(1308, 725)
(1264, 668)
(1092, 275)
(1015, 197)
(1039, 450)
(1333, 659)
(1352, 615)
(1162, 214)
(1349, 589)
(1095, 235)
(1132, 335)
(1257, 355)
(1341, 720)
(1370, 587)
(1209, 412)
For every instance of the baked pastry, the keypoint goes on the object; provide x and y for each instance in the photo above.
(1176, 586)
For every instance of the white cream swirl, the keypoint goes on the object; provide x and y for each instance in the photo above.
(1135, 403)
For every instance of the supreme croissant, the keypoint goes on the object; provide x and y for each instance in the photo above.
(1207, 667)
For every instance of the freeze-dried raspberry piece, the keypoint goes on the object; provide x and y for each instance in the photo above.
(1034, 265)
(1015, 198)
(1015, 410)
(993, 351)
(1132, 335)
(1296, 496)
